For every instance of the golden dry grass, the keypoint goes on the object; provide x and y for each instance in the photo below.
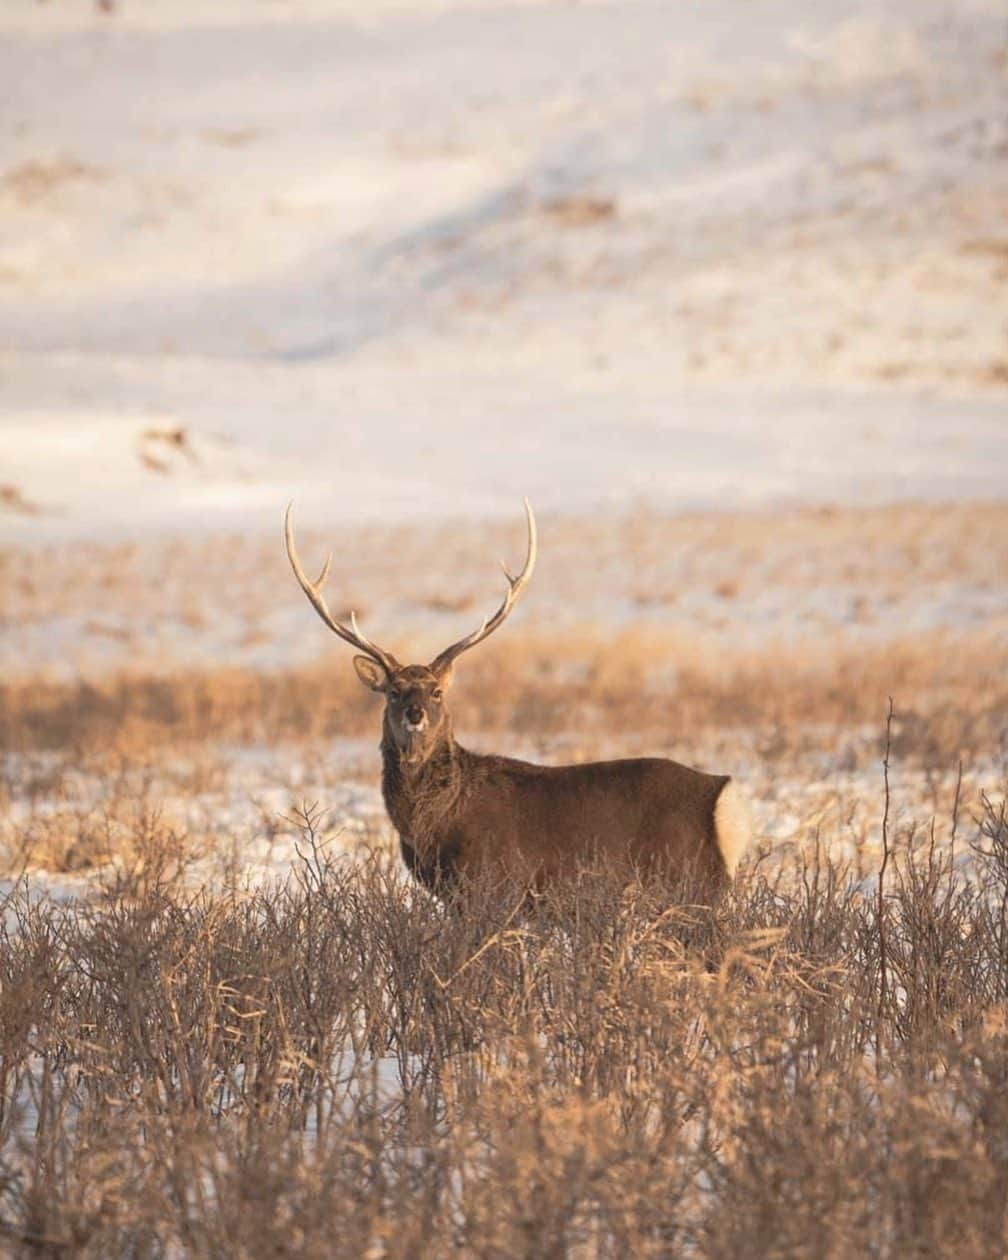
(625, 688)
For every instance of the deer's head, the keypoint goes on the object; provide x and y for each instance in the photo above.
(416, 715)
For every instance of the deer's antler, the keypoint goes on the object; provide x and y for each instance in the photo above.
(351, 634)
(515, 587)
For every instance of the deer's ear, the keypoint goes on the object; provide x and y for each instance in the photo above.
(445, 676)
(370, 673)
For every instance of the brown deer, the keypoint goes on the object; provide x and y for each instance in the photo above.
(460, 813)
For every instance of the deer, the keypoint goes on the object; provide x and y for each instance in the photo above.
(459, 814)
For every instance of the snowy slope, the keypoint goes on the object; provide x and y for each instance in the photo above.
(421, 258)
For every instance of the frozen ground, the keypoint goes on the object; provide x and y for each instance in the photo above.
(421, 258)
(234, 810)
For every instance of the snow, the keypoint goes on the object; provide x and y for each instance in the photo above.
(419, 259)
(238, 808)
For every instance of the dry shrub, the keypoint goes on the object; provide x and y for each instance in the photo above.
(340, 1066)
(126, 830)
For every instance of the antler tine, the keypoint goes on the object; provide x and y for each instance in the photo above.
(515, 587)
(364, 642)
(313, 590)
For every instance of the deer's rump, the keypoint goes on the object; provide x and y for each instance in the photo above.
(647, 813)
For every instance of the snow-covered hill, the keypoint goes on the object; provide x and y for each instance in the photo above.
(403, 258)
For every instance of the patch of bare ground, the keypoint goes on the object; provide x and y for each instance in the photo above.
(37, 181)
(609, 1070)
(12, 499)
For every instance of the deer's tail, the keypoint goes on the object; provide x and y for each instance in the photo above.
(732, 825)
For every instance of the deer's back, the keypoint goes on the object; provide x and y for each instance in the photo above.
(645, 811)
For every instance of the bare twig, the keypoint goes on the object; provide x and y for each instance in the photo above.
(955, 820)
(880, 912)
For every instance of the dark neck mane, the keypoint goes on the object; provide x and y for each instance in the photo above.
(422, 799)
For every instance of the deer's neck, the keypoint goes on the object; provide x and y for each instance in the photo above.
(422, 799)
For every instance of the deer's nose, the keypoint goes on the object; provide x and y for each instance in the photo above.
(414, 714)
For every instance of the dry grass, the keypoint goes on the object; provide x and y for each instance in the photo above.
(129, 832)
(336, 1067)
(634, 689)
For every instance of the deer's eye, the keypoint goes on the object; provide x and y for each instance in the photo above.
(395, 694)
(436, 693)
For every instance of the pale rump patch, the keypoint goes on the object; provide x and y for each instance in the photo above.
(732, 825)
